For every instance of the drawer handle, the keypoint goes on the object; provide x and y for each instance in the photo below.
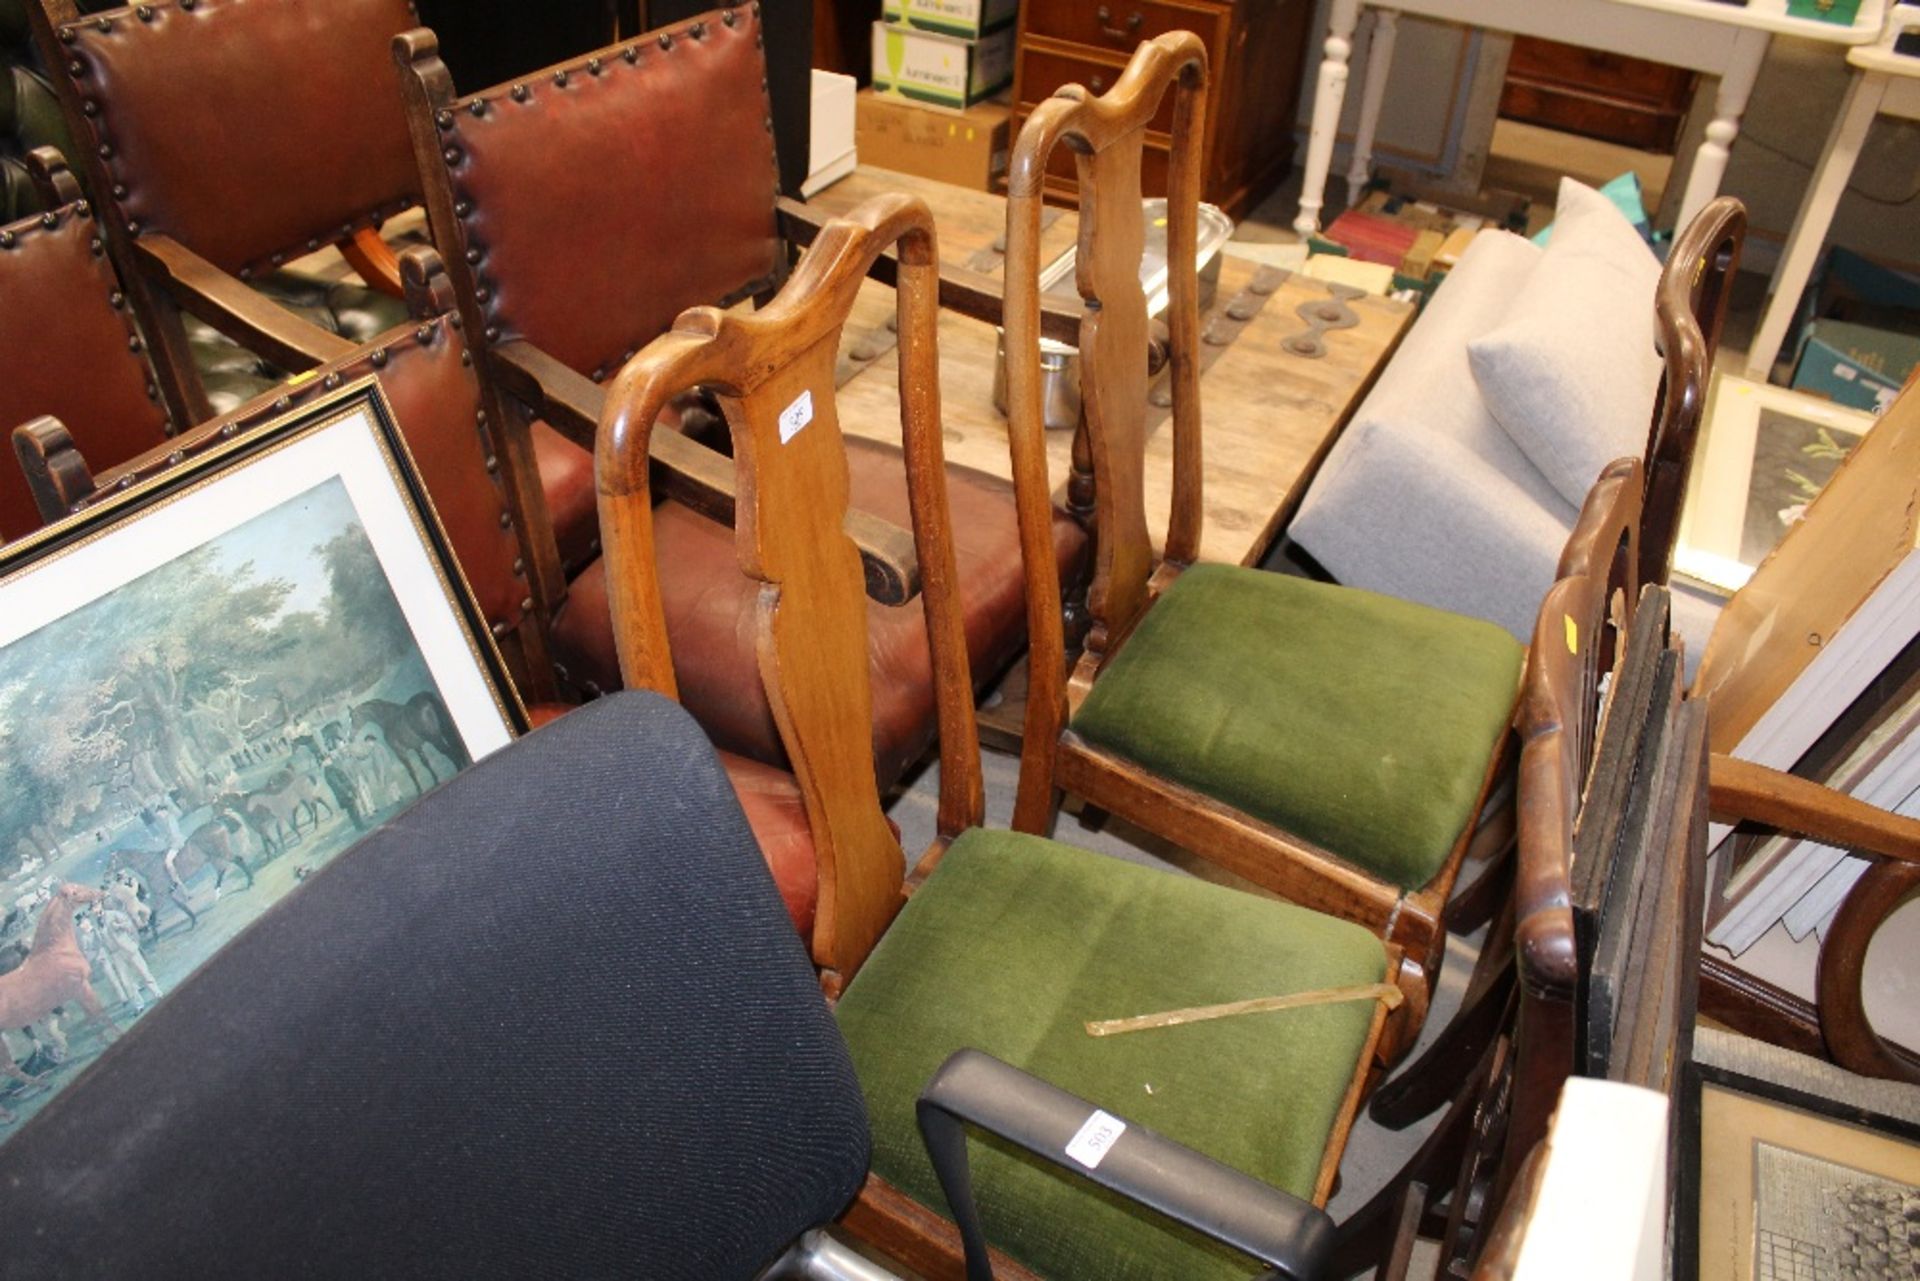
(1111, 32)
(1097, 83)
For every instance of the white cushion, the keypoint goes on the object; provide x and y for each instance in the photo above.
(1423, 496)
(1572, 372)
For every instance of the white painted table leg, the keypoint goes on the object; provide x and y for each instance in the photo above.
(1329, 93)
(1810, 225)
(1729, 104)
(1386, 24)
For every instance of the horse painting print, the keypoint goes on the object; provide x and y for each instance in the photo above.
(165, 739)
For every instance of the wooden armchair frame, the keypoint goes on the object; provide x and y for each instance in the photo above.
(773, 373)
(164, 276)
(1741, 790)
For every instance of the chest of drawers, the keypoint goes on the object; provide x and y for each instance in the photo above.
(1255, 50)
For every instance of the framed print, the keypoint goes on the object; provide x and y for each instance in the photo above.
(1763, 453)
(1779, 1183)
(211, 684)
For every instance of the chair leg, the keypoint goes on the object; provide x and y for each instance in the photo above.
(1426, 1083)
(1475, 905)
(1435, 1165)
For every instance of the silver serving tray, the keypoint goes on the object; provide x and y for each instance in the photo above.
(1060, 362)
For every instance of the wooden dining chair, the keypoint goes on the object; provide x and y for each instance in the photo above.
(1000, 943)
(68, 346)
(580, 210)
(221, 139)
(428, 374)
(1332, 745)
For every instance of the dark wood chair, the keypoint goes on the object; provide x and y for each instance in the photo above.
(221, 139)
(1332, 745)
(428, 374)
(68, 346)
(1000, 943)
(580, 210)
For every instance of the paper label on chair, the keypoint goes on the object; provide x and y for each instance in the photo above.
(796, 416)
(1096, 1138)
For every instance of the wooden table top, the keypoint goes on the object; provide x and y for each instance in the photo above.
(1269, 416)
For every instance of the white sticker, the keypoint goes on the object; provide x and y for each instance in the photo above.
(1096, 1138)
(796, 416)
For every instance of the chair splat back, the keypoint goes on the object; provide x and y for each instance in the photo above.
(1107, 135)
(773, 371)
(246, 158)
(1689, 310)
(594, 201)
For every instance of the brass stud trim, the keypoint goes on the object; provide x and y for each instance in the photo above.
(518, 93)
(631, 53)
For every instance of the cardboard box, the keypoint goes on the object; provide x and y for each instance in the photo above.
(1854, 364)
(940, 70)
(967, 19)
(968, 149)
(830, 149)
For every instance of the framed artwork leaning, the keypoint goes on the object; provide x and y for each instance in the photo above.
(1791, 1170)
(1764, 453)
(211, 684)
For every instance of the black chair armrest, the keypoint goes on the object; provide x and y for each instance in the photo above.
(1292, 1236)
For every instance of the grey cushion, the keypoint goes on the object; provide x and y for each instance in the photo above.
(1570, 372)
(1424, 496)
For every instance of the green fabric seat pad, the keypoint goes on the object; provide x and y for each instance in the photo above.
(1014, 943)
(1358, 722)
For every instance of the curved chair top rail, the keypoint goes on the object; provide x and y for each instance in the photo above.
(1690, 307)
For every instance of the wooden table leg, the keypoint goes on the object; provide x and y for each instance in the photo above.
(1729, 104)
(1810, 225)
(1330, 92)
(1373, 89)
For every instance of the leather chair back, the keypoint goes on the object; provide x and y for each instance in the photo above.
(68, 349)
(251, 131)
(597, 200)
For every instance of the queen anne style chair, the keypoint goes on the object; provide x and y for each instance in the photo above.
(222, 138)
(1008, 941)
(1332, 745)
(580, 210)
(429, 377)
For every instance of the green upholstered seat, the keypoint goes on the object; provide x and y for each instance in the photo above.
(1358, 722)
(1014, 943)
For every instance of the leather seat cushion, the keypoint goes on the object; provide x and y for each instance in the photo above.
(1014, 942)
(711, 614)
(566, 478)
(776, 813)
(1361, 723)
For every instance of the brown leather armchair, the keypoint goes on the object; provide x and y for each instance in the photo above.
(427, 372)
(222, 139)
(580, 210)
(67, 344)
